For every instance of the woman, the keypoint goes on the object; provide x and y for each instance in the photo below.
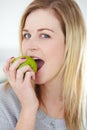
(53, 33)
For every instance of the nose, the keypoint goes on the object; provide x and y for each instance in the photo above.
(33, 45)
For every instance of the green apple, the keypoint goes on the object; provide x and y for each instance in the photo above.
(29, 61)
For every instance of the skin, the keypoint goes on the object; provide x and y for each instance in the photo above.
(43, 38)
(49, 49)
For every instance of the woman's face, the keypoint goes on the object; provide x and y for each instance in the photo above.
(43, 40)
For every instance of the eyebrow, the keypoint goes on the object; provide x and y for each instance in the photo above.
(24, 30)
(42, 29)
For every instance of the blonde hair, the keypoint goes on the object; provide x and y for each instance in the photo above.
(74, 68)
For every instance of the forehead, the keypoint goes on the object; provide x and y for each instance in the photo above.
(42, 18)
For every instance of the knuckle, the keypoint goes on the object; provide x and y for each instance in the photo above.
(11, 68)
(26, 68)
(28, 74)
(19, 71)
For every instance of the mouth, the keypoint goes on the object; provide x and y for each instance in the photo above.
(39, 63)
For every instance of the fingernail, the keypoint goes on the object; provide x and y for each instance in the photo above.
(23, 58)
(12, 57)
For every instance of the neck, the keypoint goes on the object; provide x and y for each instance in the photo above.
(51, 95)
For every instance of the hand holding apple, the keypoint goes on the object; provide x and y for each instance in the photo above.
(20, 73)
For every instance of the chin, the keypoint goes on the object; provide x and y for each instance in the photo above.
(40, 81)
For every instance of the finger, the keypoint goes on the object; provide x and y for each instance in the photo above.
(29, 79)
(16, 63)
(21, 72)
(14, 66)
(7, 64)
(29, 76)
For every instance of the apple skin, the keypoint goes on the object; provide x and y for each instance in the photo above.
(29, 61)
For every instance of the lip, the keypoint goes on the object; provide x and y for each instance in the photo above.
(34, 57)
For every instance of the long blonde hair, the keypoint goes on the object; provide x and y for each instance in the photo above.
(74, 68)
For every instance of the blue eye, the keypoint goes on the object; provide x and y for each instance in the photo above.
(27, 35)
(45, 36)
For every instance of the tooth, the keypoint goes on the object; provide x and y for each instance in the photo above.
(35, 58)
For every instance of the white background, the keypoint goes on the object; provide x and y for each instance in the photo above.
(10, 15)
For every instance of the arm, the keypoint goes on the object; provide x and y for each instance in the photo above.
(26, 120)
(21, 81)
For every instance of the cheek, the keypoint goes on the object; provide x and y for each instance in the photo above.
(55, 52)
(56, 58)
(23, 48)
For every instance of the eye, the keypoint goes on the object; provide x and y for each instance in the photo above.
(45, 36)
(27, 36)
